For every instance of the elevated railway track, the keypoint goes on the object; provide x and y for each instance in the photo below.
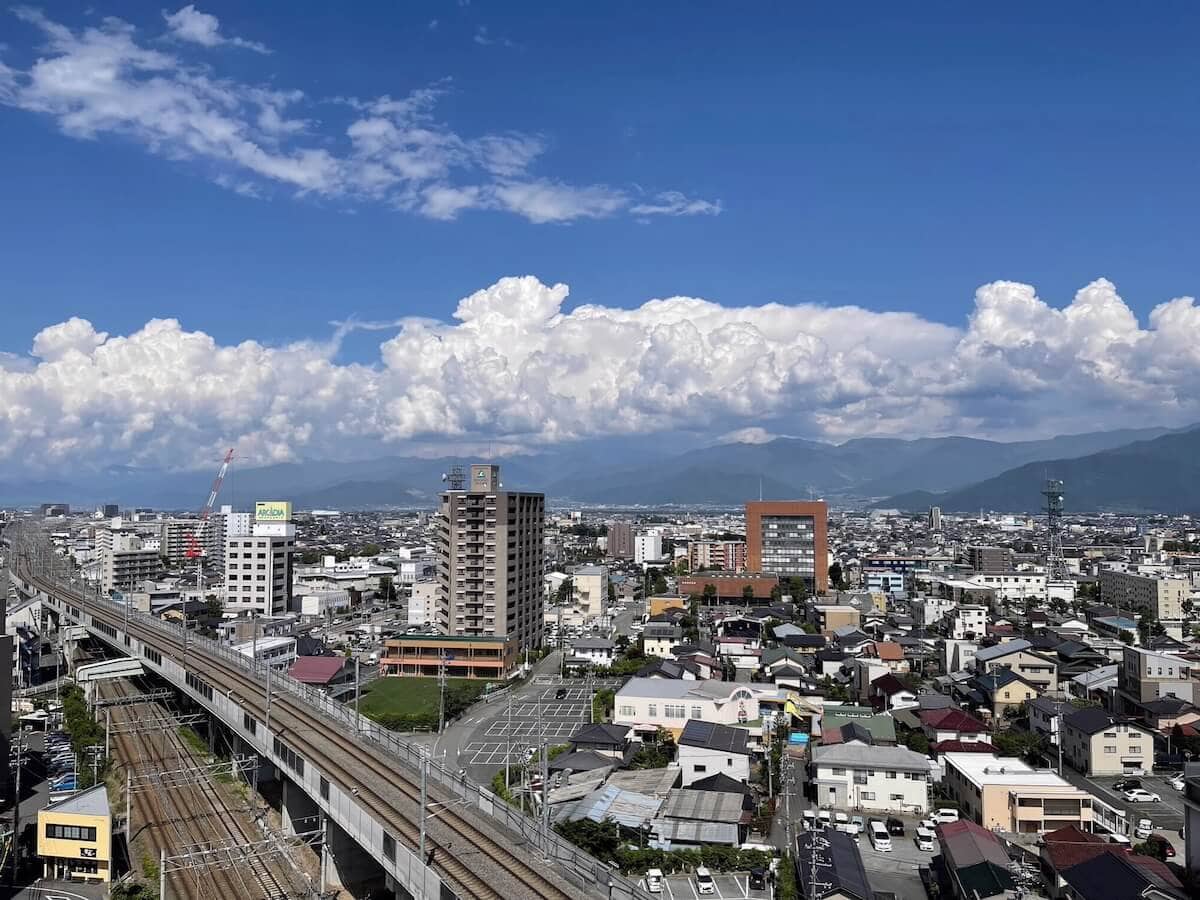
(361, 777)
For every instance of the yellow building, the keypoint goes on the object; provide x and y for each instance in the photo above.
(74, 837)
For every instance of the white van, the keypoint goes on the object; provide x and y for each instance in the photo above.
(925, 839)
(880, 839)
(704, 881)
(654, 881)
(945, 816)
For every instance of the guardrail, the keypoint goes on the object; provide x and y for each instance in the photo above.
(368, 733)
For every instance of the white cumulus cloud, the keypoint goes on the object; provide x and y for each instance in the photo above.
(515, 368)
(108, 80)
(190, 24)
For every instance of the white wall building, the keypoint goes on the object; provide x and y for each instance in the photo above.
(860, 776)
(258, 567)
(277, 652)
(422, 604)
(967, 621)
(646, 703)
(647, 547)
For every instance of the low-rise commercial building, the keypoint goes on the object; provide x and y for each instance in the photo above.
(462, 656)
(647, 704)
(730, 586)
(1006, 793)
(74, 837)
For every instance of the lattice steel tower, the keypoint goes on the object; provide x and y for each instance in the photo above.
(1056, 566)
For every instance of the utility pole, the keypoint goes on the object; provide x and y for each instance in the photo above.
(16, 829)
(162, 874)
(509, 736)
(268, 723)
(356, 690)
(424, 800)
(128, 807)
(545, 781)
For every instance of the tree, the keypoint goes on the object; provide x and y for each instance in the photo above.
(612, 594)
(836, 578)
(917, 742)
(1149, 626)
(747, 593)
(798, 588)
(776, 593)
(709, 594)
(566, 592)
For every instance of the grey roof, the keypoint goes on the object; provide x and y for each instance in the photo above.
(713, 736)
(1051, 706)
(1096, 675)
(581, 761)
(92, 802)
(988, 653)
(654, 782)
(592, 644)
(629, 808)
(703, 806)
(841, 871)
(678, 832)
(600, 733)
(1094, 720)
(862, 756)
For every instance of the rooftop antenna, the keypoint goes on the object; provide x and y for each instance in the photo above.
(760, 489)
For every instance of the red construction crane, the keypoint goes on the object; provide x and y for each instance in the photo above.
(194, 549)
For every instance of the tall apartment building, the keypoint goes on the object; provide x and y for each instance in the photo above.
(125, 563)
(1163, 596)
(259, 565)
(988, 559)
(490, 561)
(935, 518)
(620, 541)
(648, 547)
(724, 556)
(788, 538)
(174, 538)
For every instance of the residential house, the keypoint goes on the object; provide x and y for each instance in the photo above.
(975, 861)
(1001, 692)
(890, 654)
(860, 776)
(646, 704)
(966, 622)
(1046, 714)
(952, 730)
(658, 638)
(608, 740)
(669, 668)
(839, 867)
(1076, 657)
(1096, 685)
(593, 651)
(1040, 671)
(836, 721)
(1007, 794)
(828, 619)
(888, 692)
(1098, 743)
(706, 748)
(1146, 676)
(959, 656)
(691, 819)
(1122, 876)
(322, 671)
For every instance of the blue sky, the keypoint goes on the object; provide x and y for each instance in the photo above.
(894, 157)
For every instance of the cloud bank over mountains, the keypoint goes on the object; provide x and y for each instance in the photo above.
(513, 370)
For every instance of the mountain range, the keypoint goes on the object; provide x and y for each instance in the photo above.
(1161, 475)
(1150, 468)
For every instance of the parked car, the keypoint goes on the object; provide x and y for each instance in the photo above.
(880, 839)
(560, 693)
(927, 824)
(654, 881)
(1127, 784)
(825, 818)
(858, 822)
(945, 815)
(704, 881)
(924, 839)
(810, 820)
(1177, 782)
(758, 878)
(894, 825)
(1137, 795)
(1144, 827)
(841, 818)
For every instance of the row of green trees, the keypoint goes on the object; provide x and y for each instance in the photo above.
(84, 732)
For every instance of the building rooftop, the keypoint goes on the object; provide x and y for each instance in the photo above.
(981, 769)
(713, 736)
(859, 756)
(988, 653)
(840, 867)
(92, 802)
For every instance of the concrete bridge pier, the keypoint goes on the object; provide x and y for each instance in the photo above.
(347, 866)
(299, 812)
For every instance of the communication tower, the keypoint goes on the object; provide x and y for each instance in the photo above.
(1056, 566)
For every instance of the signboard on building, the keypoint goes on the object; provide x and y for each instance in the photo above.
(272, 511)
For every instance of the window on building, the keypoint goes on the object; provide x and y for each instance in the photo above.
(836, 771)
(866, 795)
(389, 847)
(324, 788)
(1108, 748)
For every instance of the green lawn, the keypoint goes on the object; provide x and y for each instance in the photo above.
(392, 698)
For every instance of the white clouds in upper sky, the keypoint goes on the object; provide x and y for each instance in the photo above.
(109, 79)
(514, 368)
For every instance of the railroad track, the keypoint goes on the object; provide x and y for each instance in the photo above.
(189, 815)
(455, 843)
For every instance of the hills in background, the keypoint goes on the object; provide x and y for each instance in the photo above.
(1160, 475)
(1123, 469)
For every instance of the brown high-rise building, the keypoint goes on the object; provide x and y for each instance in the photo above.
(788, 538)
(620, 541)
(490, 561)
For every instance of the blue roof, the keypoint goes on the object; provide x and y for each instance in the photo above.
(1120, 622)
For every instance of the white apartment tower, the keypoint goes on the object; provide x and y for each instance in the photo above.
(491, 560)
(258, 566)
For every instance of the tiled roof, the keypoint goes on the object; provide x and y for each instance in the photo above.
(952, 720)
(317, 669)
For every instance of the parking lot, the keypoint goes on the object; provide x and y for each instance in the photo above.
(1166, 816)
(729, 884)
